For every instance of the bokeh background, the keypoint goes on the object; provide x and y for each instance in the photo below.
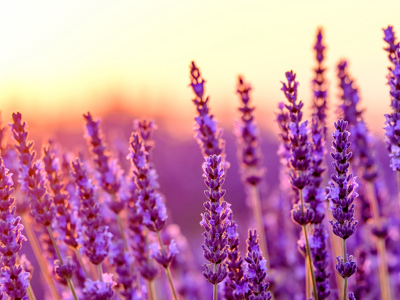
(126, 59)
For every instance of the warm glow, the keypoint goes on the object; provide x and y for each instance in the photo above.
(59, 59)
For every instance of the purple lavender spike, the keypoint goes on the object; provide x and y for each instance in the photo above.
(66, 225)
(256, 272)
(392, 135)
(341, 194)
(215, 222)
(26, 158)
(95, 237)
(319, 84)
(249, 151)
(300, 163)
(236, 286)
(150, 204)
(109, 171)
(100, 289)
(14, 280)
(123, 263)
(208, 134)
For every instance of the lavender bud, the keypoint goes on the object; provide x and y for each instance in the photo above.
(346, 269)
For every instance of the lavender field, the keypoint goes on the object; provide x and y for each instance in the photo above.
(125, 210)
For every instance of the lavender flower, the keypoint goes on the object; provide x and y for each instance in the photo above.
(65, 222)
(341, 189)
(208, 135)
(95, 237)
(26, 158)
(393, 120)
(256, 272)
(99, 290)
(108, 171)
(215, 221)
(123, 263)
(150, 204)
(319, 85)
(236, 286)
(248, 137)
(320, 260)
(341, 193)
(282, 118)
(14, 280)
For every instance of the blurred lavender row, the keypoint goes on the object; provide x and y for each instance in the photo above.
(100, 221)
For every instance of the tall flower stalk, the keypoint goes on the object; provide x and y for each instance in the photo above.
(107, 169)
(314, 193)
(41, 205)
(365, 163)
(299, 162)
(151, 205)
(13, 278)
(341, 194)
(215, 222)
(250, 158)
(256, 272)
(392, 134)
(208, 134)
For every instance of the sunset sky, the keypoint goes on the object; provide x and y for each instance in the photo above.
(59, 59)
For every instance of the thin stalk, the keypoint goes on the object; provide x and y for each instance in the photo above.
(121, 230)
(314, 284)
(31, 294)
(79, 257)
(215, 287)
(167, 270)
(39, 257)
(100, 271)
(381, 247)
(308, 254)
(151, 292)
(257, 211)
(335, 252)
(344, 279)
(61, 260)
(345, 289)
(308, 279)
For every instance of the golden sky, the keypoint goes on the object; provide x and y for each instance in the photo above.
(59, 59)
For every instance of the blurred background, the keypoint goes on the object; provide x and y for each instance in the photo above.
(122, 60)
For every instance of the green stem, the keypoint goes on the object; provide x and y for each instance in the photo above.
(121, 230)
(381, 246)
(257, 211)
(215, 288)
(308, 279)
(151, 292)
(31, 294)
(39, 257)
(314, 284)
(167, 270)
(344, 279)
(61, 260)
(79, 257)
(100, 271)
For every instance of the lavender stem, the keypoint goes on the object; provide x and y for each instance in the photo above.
(70, 284)
(31, 294)
(345, 288)
(308, 279)
(314, 284)
(381, 247)
(79, 257)
(255, 198)
(121, 230)
(167, 270)
(100, 271)
(151, 292)
(39, 257)
(215, 287)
